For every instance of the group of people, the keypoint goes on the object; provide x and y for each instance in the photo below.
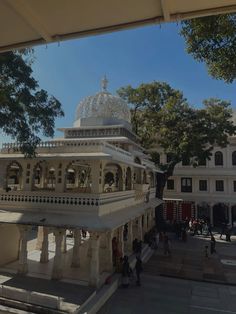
(127, 272)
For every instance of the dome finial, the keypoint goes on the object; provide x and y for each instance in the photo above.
(104, 83)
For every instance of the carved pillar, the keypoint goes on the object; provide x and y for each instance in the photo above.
(23, 266)
(109, 257)
(130, 236)
(39, 238)
(58, 262)
(230, 213)
(145, 225)
(94, 262)
(140, 228)
(44, 250)
(63, 244)
(211, 214)
(76, 249)
(121, 240)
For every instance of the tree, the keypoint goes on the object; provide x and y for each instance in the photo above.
(183, 132)
(212, 40)
(25, 110)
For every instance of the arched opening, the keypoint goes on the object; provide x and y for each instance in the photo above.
(51, 178)
(38, 180)
(113, 179)
(70, 179)
(128, 179)
(14, 176)
(78, 177)
(137, 160)
(203, 211)
(218, 159)
(220, 214)
(234, 158)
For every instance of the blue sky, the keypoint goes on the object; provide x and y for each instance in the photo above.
(73, 69)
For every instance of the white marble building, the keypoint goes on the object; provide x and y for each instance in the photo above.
(206, 191)
(96, 178)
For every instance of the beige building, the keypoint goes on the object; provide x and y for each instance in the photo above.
(95, 178)
(206, 191)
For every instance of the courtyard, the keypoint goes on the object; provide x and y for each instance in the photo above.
(186, 282)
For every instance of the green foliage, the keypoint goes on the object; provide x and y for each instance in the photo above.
(25, 110)
(166, 120)
(212, 40)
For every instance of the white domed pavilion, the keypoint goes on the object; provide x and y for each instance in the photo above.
(96, 179)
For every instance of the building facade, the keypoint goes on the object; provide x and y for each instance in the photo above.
(207, 191)
(95, 178)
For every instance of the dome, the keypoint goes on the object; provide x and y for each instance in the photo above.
(103, 105)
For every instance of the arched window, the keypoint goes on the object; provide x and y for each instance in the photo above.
(234, 158)
(218, 159)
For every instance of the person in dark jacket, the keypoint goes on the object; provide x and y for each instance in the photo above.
(126, 272)
(138, 269)
(213, 244)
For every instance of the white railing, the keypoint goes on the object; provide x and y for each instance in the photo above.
(66, 146)
(35, 198)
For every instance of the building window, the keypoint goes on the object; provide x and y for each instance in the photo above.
(219, 185)
(202, 185)
(234, 158)
(170, 184)
(218, 159)
(186, 185)
(234, 186)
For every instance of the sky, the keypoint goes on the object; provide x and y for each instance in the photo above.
(72, 70)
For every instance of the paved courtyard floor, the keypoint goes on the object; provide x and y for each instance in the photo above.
(186, 282)
(164, 295)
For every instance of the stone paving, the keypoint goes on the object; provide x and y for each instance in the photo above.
(70, 293)
(188, 260)
(172, 296)
(187, 293)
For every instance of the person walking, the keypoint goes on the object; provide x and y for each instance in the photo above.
(138, 269)
(166, 246)
(213, 244)
(126, 272)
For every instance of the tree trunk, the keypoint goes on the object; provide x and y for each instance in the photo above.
(161, 179)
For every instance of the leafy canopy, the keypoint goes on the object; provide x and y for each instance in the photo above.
(212, 40)
(25, 109)
(162, 118)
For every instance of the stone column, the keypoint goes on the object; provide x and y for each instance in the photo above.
(58, 262)
(211, 214)
(130, 236)
(109, 257)
(39, 238)
(145, 225)
(76, 249)
(94, 262)
(230, 213)
(44, 250)
(140, 228)
(121, 240)
(23, 266)
(63, 244)
(150, 221)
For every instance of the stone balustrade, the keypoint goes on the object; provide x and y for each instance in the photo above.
(66, 146)
(102, 203)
